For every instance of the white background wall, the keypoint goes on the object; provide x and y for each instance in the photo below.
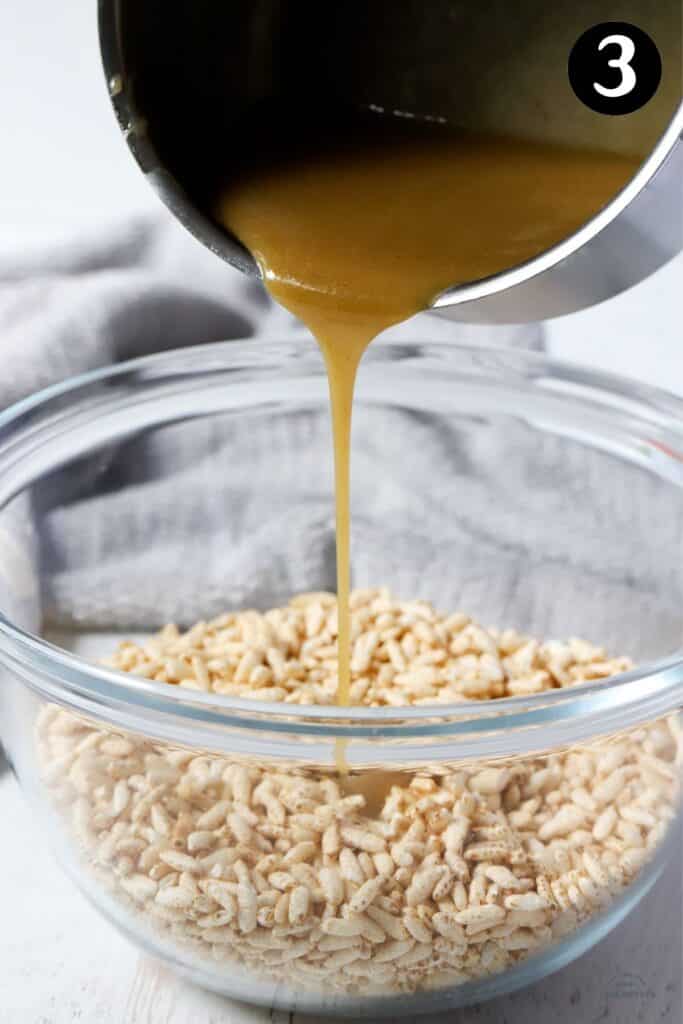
(62, 162)
(63, 167)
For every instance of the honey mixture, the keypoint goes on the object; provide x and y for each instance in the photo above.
(365, 231)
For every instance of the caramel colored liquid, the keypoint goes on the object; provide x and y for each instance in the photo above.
(359, 237)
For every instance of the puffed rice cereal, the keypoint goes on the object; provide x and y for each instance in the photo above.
(379, 883)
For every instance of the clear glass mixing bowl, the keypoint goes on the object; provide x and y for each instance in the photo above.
(486, 843)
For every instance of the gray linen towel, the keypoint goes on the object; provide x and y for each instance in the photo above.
(147, 289)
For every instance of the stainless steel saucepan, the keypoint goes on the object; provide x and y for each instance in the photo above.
(186, 78)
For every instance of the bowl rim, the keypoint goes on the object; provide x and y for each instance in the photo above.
(499, 727)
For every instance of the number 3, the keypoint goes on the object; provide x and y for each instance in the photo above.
(623, 63)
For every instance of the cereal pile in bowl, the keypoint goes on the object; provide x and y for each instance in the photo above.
(403, 653)
(371, 883)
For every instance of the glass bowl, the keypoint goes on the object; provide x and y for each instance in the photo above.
(367, 860)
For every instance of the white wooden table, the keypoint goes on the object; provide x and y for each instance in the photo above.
(64, 964)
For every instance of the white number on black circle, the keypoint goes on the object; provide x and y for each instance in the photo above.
(623, 64)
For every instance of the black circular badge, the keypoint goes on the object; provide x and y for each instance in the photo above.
(615, 68)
